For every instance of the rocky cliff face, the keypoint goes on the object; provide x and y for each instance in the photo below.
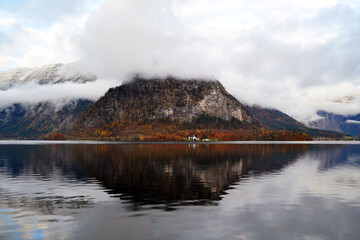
(155, 99)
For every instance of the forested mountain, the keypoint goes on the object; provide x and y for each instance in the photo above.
(154, 109)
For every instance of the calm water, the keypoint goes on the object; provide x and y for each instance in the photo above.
(179, 191)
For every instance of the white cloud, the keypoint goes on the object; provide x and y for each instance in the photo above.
(8, 22)
(35, 33)
(39, 47)
(352, 121)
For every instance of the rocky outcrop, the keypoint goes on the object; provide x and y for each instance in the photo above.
(154, 99)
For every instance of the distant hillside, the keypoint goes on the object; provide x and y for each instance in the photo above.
(275, 119)
(40, 120)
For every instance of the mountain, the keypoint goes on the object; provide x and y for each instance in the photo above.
(277, 120)
(349, 125)
(142, 109)
(40, 120)
(170, 98)
(48, 74)
(24, 120)
(167, 109)
(173, 109)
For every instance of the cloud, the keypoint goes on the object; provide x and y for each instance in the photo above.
(26, 46)
(297, 56)
(139, 36)
(352, 121)
(278, 54)
(8, 22)
(39, 32)
(33, 93)
(44, 13)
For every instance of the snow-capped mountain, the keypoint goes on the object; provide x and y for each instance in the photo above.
(23, 119)
(48, 74)
(344, 118)
(335, 122)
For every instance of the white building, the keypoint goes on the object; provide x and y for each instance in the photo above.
(193, 138)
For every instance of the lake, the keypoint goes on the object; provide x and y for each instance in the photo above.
(96, 190)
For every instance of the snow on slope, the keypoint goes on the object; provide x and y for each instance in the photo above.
(48, 74)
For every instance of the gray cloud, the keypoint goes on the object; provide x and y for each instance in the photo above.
(284, 54)
(297, 56)
(139, 36)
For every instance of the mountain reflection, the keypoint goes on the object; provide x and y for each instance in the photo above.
(121, 191)
(175, 174)
(337, 155)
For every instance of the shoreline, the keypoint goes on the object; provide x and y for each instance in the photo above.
(89, 142)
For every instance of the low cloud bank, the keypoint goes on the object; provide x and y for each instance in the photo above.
(33, 93)
(302, 104)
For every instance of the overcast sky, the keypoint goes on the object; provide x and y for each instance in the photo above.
(295, 55)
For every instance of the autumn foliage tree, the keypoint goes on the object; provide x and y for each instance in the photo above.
(57, 136)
